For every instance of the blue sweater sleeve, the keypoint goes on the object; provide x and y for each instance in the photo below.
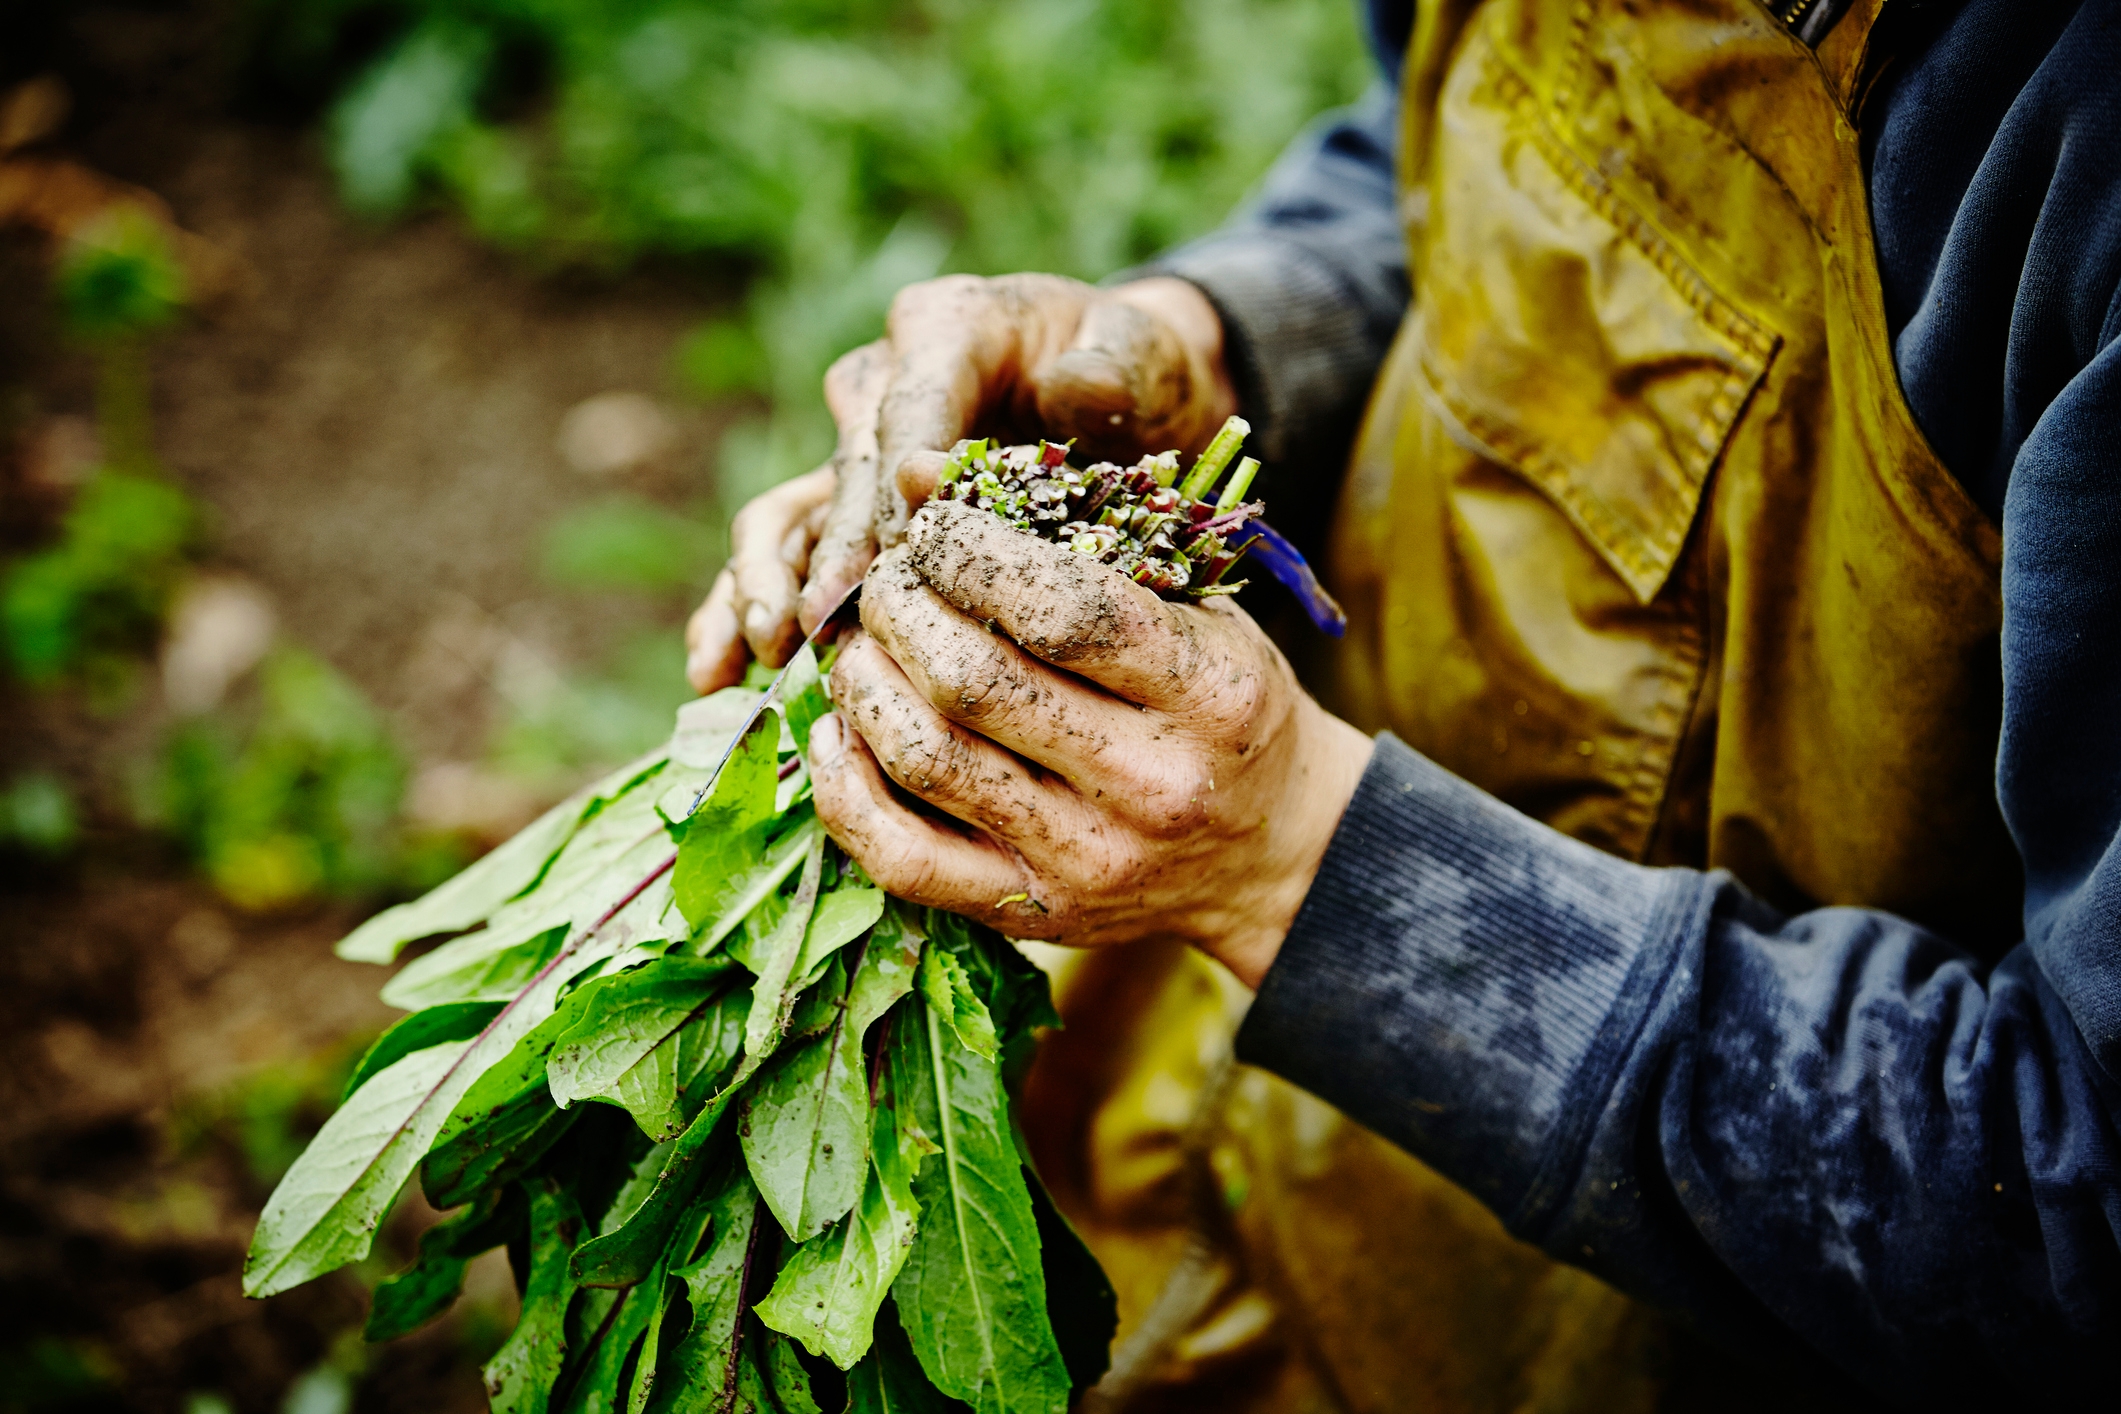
(1832, 1133)
(1310, 278)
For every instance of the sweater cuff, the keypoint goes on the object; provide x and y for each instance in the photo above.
(1466, 981)
(1301, 349)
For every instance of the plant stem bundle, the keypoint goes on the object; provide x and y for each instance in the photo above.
(1168, 537)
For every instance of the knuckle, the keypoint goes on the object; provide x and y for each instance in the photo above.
(916, 300)
(1174, 801)
(936, 765)
(900, 867)
(980, 689)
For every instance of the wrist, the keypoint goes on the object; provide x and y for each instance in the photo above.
(1300, 826)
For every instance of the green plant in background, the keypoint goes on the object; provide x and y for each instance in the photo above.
(95, 599)
(88, 603)
(299, 800)
(37, 813)
(842, 150)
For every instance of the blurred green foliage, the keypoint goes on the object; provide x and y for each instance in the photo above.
(119, 276)
(92, 600)
(295, 797)
(51, 1372)
(96, 597)
(37, 813)
(841, 150)
(590, 721)
(628, 542)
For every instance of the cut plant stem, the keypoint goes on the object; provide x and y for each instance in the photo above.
(1213, 460)
(1240, 482)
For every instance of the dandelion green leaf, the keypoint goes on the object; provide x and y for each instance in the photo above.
(698, 1369)
(806, 1126)
(972, 1293)
(704, 727)
(669, 1085)
(773, 996)
(520, 1377)
(628, 1253)
(829, 1289)
(720, 844)
(475, 973)
(507, 1118)
(755, 884)
(325, 1211)
(888, 1380)
(472, 896)
(409, 1299)
(842, 916)
(631, 1015)
(948, 991)
(605, 1326)
(456, 1022)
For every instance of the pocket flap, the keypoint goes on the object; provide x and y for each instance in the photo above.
(1569, 340)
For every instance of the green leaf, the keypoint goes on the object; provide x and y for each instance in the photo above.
(628, 1254)
(474, 974)
(619, 844)
(327, 1207)
(806, 1123)
(604, 1326)
(948, 992)
(459, 1021)
(325, 1212)
(678, 1250)
(669, 1085)
(756, 883)
(520, 1377)
(631, 1015)
(705, 727)
(785, 1376)
(721, 844)
(803, 698)
(472, 896)
(1017, 993)
(411, 1298)
(506, 1119)
(773, 997)
(890, 1381)
(830, 1289)
(842, 916)
(698, 1369)
(972, 1294)
(1079, 1298)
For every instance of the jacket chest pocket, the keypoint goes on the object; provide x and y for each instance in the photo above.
(1564, 338)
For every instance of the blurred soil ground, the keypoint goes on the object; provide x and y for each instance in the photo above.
(371, 417)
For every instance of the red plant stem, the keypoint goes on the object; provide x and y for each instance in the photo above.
(743, 1291)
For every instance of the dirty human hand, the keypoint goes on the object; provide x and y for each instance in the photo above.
(1096, 765)
(1137, 368)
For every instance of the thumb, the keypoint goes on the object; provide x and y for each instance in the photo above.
(1124, 386)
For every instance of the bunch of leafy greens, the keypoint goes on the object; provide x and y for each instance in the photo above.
(742, 1122)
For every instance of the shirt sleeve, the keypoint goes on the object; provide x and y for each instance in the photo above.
(1830, 1134)
(1310, 278)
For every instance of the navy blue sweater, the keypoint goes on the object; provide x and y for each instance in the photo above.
(1833, 1132)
